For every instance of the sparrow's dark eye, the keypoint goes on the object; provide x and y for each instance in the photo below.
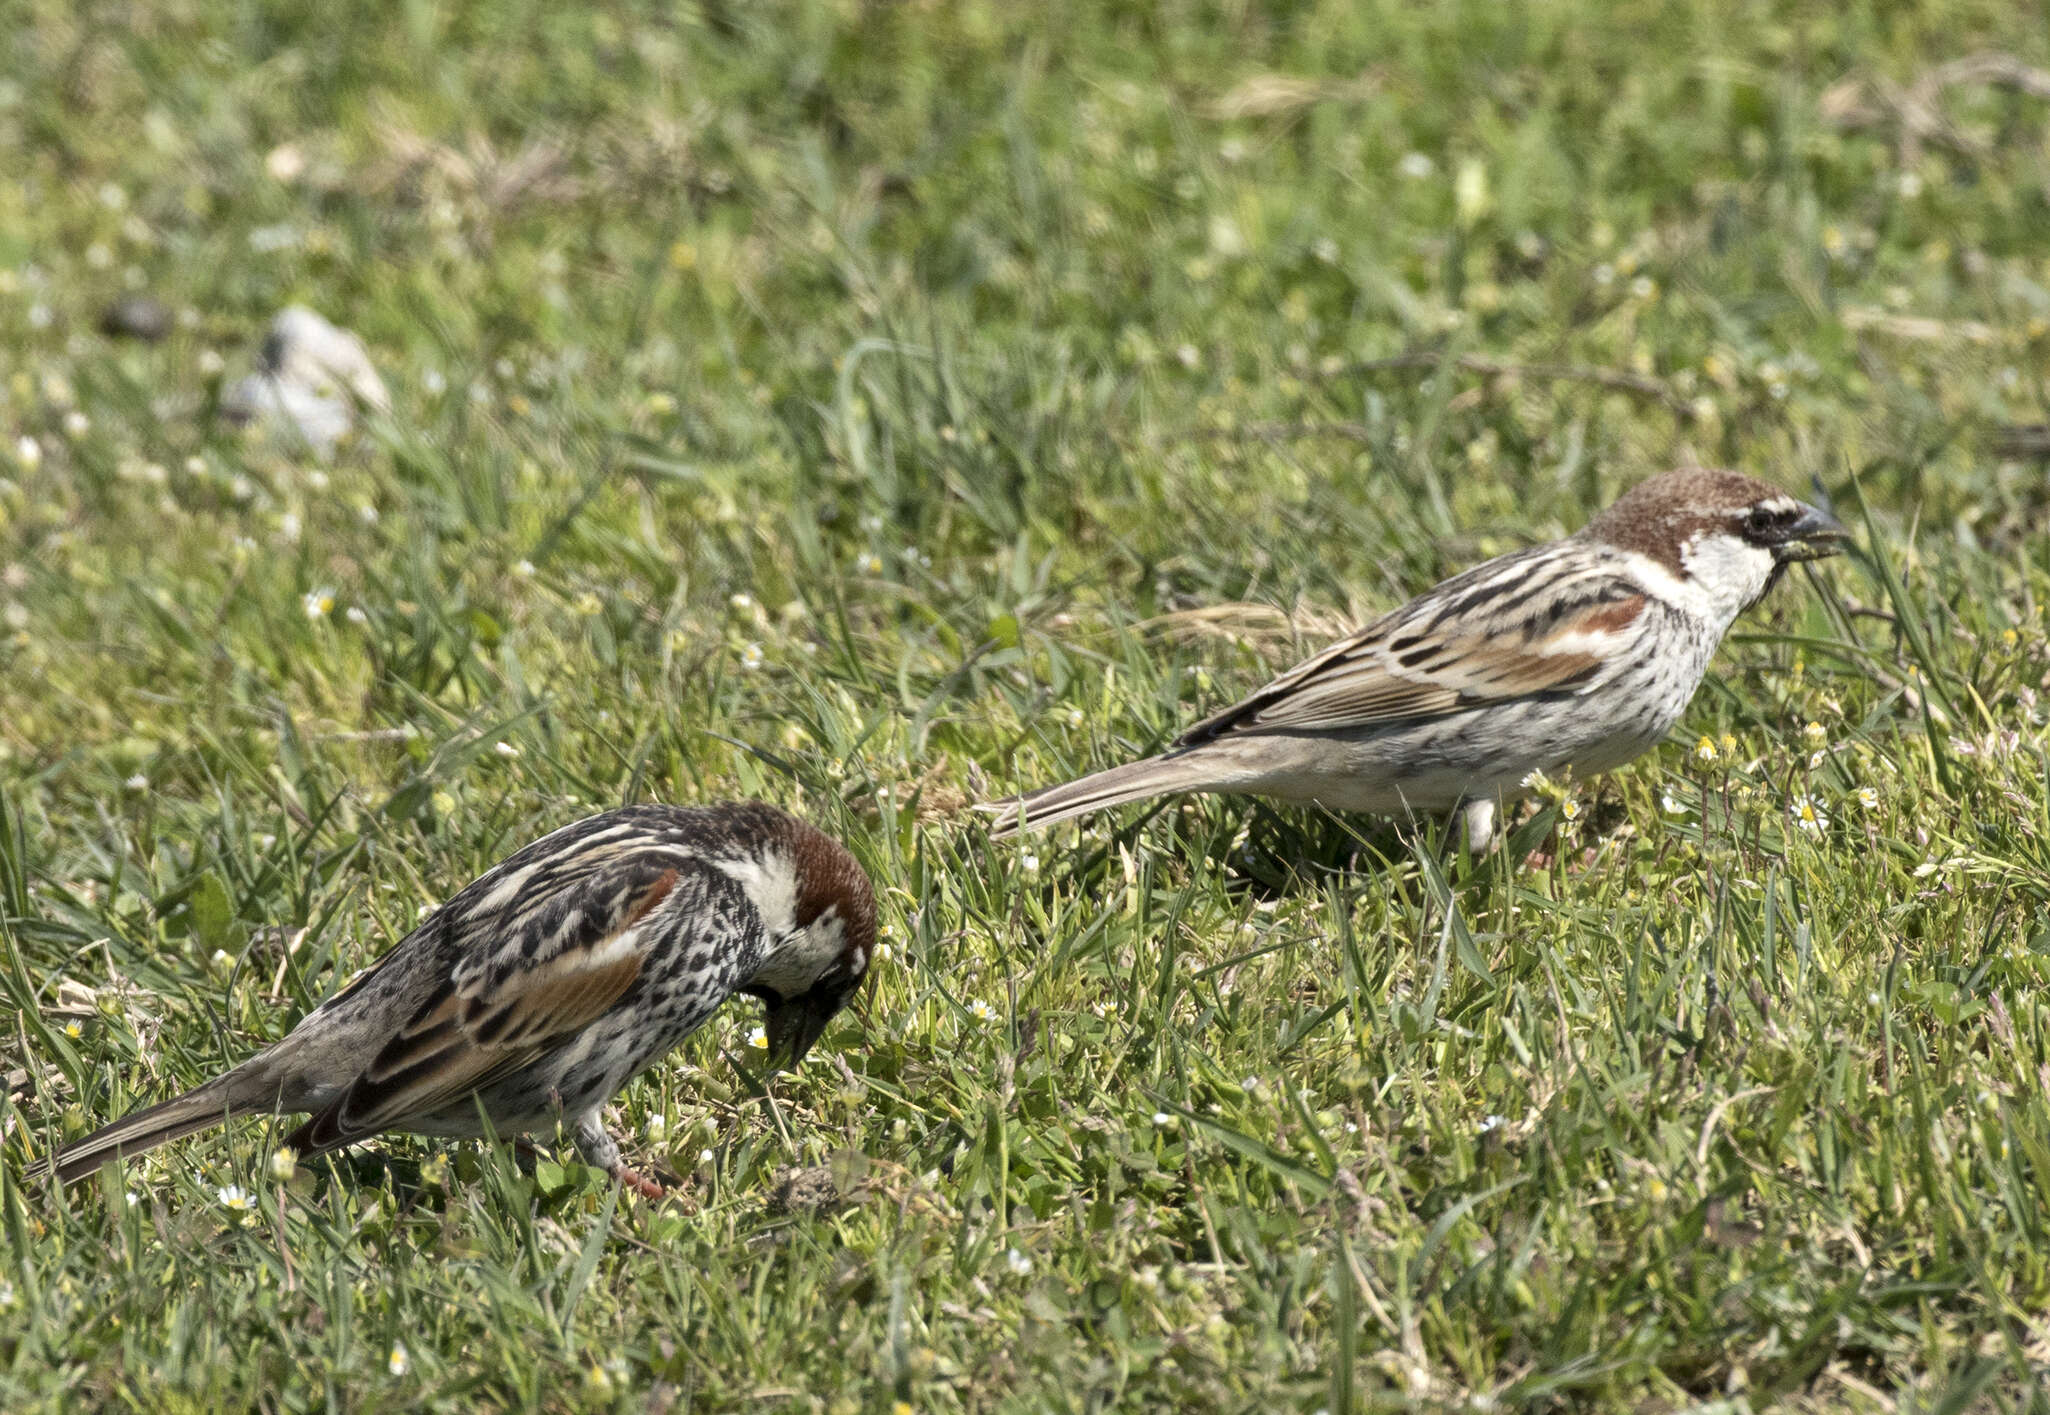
(1761, 520)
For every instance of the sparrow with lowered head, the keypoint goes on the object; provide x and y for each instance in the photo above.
(1578, 655)
(550, 981)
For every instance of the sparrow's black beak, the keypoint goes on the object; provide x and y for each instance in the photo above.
(1811, 536)
(795, 1023)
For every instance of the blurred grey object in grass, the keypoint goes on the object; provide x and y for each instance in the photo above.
(311, 378)
(136, 317)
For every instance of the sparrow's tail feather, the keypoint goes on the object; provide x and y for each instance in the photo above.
(249, 1087)
(1134, 781)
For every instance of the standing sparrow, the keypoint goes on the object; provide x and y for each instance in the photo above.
(547, 983)
(1576, 655)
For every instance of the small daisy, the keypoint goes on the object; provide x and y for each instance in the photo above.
(73, 1030)
(868, 562)
(505, 749)
(355, 615)
(752, 657)
(1030, 865)
(1570, 811)
(1673, 806)
(398, 1363)
(77, 424)
(1162, 1120)
(1815, 734)
(29, 453)
(1807, 815)
(657, 1129)
(1868, 797)
(706, 1157)
(318, 604)
(759, 1039)
(981, 1011)
(235, 1199)
(1017, 1262)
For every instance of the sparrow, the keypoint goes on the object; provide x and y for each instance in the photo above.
(1579, 655)
(547, 983)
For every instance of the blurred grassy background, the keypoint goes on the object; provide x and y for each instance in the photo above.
(850, 404)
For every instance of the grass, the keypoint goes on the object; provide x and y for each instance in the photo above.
(974, 346)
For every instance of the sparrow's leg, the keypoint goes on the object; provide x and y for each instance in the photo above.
(1480, 825)
(601, 1151)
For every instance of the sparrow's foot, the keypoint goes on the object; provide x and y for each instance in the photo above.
(601, 1151)
(642, 1185)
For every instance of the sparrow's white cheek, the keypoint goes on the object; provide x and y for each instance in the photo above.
(1728, 572)
(804, 955)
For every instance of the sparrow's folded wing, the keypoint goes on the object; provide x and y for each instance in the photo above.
(539, 955)
(1513, 628)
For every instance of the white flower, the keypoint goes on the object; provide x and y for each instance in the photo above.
(1188, 355)
(524, 569)
(73, 1030)
(741, 603)
(133, 1199)
(1909, 185)
(235, 1198)
(1807, 815)
(367, 514)
(285, 162)
(658, 1129)
(981, 1011)
(1704, 750)
(398, 1363)
(1672, 805)
(355, 615)
(290, 527)
(1492, 1122)
(1017, 1262)
(1868, 798)
(751, 657)
(29, 453)
(759, 1039)
(284, 1163)
(1030, 865)
(1162, 1120)
(317, 479)
(77, 424)
(432, 382)
(6, 1296)
(1416, 166)
(867, 563)
(505, 749)
(137, 782)
(210, 362)
(319, 603)
(706, 1157)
